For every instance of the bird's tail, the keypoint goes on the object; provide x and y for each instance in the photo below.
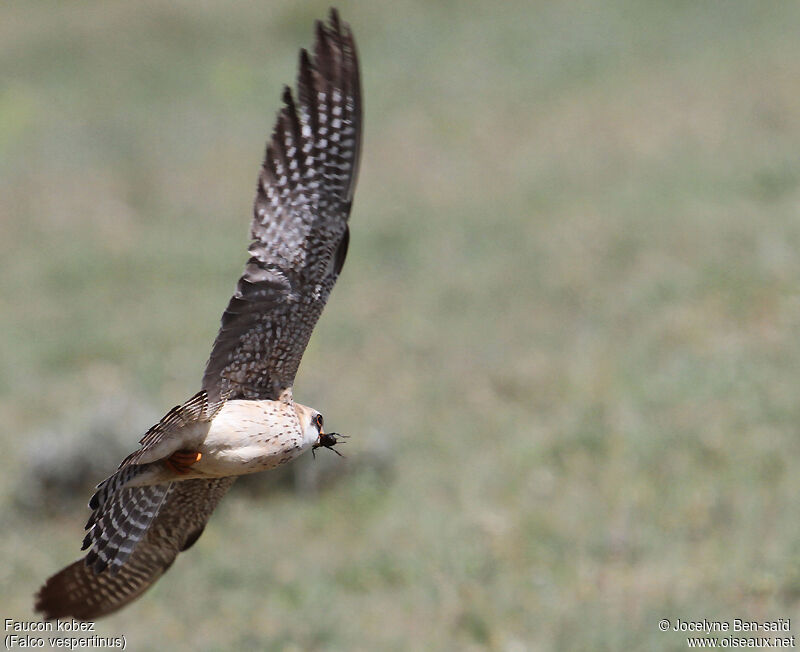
(78, 592)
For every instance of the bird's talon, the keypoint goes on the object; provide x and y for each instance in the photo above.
(181, 461)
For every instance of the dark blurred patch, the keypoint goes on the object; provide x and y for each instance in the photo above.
(65, 462)
(771, 183)
(310, 475)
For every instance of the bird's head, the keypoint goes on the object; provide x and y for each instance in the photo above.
(314, 433)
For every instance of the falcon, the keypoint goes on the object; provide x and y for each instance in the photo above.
(244, 419)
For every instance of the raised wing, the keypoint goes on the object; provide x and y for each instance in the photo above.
(80, 591)
(299, 229)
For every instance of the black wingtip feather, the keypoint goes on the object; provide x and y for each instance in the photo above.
(304, 60)
(341, 252)
(334, 16)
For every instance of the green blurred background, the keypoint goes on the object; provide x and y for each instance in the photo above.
(565, 342)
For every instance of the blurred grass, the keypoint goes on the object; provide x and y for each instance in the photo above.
(569, 317)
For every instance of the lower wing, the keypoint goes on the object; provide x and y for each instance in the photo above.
(78, 591)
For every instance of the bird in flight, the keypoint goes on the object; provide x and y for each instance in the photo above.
(244, 419)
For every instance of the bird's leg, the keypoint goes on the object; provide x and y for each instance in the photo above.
(181, 461)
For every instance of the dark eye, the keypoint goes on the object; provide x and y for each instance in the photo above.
(318, 421)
